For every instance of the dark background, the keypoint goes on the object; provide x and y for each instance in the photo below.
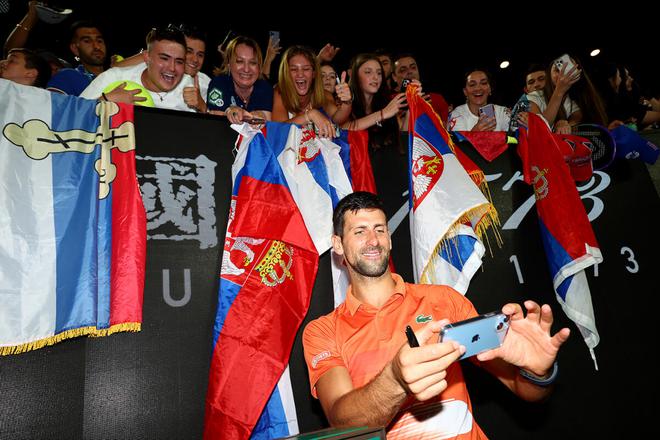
(446, 40)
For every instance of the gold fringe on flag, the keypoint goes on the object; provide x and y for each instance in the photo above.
(73, 333)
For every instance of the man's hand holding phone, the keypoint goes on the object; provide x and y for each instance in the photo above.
(529, 343)
(421, 371)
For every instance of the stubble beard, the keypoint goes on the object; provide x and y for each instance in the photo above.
(371, 269)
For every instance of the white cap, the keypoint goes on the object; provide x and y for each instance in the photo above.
(52, 15)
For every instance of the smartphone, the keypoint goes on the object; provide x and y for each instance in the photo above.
(481, 333)
(404, 85)
(275, 37)
(562, 61)
(254, 121)
(488, 110)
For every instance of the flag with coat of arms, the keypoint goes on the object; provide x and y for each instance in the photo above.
(568, 239)
(285, 184)
(449, 212)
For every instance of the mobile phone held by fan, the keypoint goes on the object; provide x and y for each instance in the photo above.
(254, 121)
(275, 37)
(404, 85)
(562, 61)
(487, 110)
(478, 334)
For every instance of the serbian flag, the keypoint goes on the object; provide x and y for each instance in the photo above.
(568, 239)
(268, 269)
(447, 206)
(73, 228)
(354, 151)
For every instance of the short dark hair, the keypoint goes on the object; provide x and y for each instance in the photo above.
(37, 62)
(189, 30)
(536, 67)
(82, 24)
(354, 202)
(168, 34)
(398, 56)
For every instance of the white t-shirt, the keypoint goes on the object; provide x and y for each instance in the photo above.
(538, 98)
(172, 100)
(462, 119)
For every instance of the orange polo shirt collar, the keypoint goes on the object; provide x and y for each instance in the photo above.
(353, 304)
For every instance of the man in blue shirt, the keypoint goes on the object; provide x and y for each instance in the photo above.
(88, 46)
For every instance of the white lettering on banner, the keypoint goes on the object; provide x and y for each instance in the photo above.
(179, 200)
(187, 290)
(514, 259)
(631, 258)
(599, 184)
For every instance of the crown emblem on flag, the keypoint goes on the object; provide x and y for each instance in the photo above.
(540, 183)
(427, 167)
(275, 267)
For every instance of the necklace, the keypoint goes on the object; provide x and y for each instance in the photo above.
(245, 100)
(161, 96)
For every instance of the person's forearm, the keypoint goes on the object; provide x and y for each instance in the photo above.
(364, 122)
(374, 404)
(19, 36)
(550, 113)
(342, 114)
(510, 376)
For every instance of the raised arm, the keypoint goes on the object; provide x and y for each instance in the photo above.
(377, 117)
(528, 346)
(564, 82)
(19, 36)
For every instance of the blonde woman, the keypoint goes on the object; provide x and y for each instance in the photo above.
(299, 96)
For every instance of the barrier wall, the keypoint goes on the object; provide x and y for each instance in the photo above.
(152, 384)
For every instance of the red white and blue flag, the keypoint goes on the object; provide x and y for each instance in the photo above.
(72, 223)
(354, 152)
(446, 204)
(569, 241)
(286, 182)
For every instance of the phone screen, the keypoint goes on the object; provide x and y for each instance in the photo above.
(275, 37)
(478, 334)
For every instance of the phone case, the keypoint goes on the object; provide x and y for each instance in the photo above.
(488, 110)
(564, 60)
(481, 333)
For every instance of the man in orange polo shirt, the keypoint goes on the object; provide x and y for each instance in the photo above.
(363, 371)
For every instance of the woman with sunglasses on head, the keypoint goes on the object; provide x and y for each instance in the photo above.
(239, 92)
(299, 96)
